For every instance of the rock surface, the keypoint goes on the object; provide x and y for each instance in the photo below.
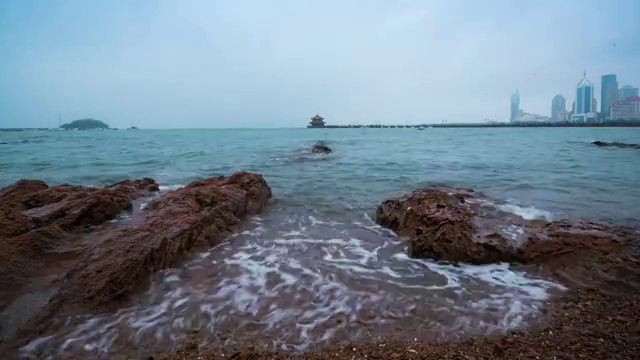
(440, 225)
(37, 220)
(114, 261)
(454, 225)
(203, 212)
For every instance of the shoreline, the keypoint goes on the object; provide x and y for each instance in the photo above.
(580, 324)
(596, 317)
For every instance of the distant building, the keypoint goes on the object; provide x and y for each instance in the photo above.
(584, 105)
(515, 106)
(594, 105)
(316, 122)
(627, 91)
(563, 115)
(627, 109)
(529, 118)
(558, 105)
(608, 93)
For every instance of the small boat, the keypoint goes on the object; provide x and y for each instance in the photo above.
(420, 127)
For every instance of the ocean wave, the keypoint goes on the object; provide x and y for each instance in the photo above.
(526, 212)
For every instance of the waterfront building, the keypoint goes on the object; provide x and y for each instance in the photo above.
(524, 117)
(627, 91)
(608, 94)
(584, 111)
(316, 122)
(627, 109)
(515, 106)
(558, 105)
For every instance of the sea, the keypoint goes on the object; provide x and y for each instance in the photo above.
(314, 268)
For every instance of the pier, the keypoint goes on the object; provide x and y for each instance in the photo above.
(485, 125)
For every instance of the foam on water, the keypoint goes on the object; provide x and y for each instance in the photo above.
(170, 187)
(526, 212)
(295, 280)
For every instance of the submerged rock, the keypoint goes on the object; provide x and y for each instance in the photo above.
(38, 220)
(615, 144)
(320, 148)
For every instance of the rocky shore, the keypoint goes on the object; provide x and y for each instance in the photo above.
(58, 246)
(60, 249)
(597, 317)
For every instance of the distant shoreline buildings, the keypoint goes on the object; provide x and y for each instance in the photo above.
(616, 104)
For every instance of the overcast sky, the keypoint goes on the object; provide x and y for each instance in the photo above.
(237, 63)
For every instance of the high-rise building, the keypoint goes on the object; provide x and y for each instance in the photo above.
(558, 106)
(627, 91)
(584, 95)
(608, 93)
(584, 110)
(515, 106)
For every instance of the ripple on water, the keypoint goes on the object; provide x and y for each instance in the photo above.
(294, 280)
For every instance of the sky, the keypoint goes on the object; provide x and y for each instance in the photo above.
(262, 64)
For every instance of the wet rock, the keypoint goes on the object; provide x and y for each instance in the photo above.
(439, 224)
(20, 189)
(450, 224)
(615, 144)
(201, 212)
(37, 219)
(320, 148)
(146, 184)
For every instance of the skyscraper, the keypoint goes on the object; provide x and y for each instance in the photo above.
(558, 105)
(515, 106)
(584, 95)
(609, 94)
(584, 110)
(627, 91)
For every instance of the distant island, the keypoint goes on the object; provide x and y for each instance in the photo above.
(85, 124)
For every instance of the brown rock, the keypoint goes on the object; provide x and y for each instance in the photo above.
(450, 224)
(202, 212)
(35, 219)
(21, 189)
(440, 225)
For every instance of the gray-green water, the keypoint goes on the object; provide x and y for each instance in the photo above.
(314, 268)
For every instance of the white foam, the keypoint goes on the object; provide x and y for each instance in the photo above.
(170, 187)
(265, 276)
(526, 212)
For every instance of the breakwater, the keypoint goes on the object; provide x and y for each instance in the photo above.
(486, 125)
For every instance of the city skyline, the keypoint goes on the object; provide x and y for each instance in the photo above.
(584, 101)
